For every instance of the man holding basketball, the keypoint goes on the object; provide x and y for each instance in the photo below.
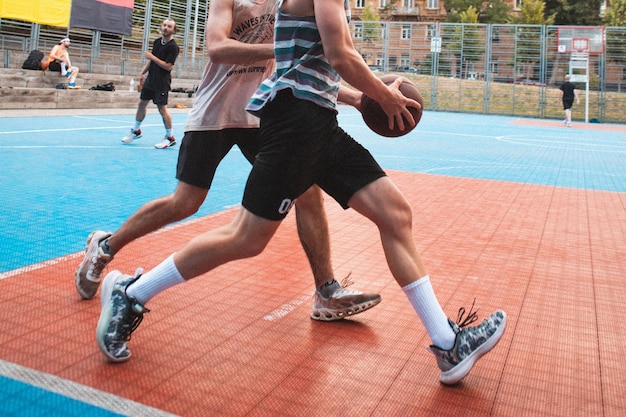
(302, 145)
(239, 60)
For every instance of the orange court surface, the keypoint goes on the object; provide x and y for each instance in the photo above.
(520, 216)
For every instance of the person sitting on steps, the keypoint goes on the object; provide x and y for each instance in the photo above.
(59, 61)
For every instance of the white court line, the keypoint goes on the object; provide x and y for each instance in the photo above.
(78, 391)
(556, 143)
(286, 308)
(147, 147)
(40, 265)
(44, 264)
(74, 129)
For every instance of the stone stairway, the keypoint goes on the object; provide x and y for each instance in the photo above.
(33, 89)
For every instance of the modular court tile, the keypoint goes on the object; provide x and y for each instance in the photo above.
(239, 341)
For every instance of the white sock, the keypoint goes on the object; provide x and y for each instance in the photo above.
(165, 275)
(422, 297)
(137, 125)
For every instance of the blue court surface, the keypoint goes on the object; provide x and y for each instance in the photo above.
(65, 175)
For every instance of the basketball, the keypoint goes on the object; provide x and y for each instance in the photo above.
(376, 119)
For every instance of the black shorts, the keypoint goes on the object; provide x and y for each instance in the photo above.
(54, 66)
(302, 145)
(158, 97)
(567, 104)
(200, 153)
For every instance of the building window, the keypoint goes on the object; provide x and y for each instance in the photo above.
(407, 4)
(493, 67)
(406, 32)
(431, 32)
(358, 31)
(433, 4)
(360, 4)
(517, 5)
(384, 3)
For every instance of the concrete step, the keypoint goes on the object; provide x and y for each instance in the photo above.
(51, 98)
(38, 79)
(24, 89)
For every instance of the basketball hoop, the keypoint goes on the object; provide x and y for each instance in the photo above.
(581, 42)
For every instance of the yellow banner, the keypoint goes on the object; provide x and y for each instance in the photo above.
(45, 12)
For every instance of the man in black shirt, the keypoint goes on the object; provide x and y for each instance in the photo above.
(568, 94)
(156, 85)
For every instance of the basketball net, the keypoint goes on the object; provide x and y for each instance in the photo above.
(580, 49)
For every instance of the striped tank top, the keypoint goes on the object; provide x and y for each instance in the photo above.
(300, 64)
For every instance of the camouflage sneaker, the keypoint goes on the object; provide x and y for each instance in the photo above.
(87, 276)
(471, 343)
(120, 316)
(342, 303)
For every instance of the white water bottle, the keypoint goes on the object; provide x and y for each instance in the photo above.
(132, 84)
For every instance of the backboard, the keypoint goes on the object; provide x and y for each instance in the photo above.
(580, 39)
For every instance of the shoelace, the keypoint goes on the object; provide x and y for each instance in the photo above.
(97, 265)
(471, 316)
(128, 328)
(345, 281)
(136, 318)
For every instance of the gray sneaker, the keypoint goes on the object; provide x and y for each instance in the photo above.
(87, 276)
(120, 316)
(342, 303)
(471, 343)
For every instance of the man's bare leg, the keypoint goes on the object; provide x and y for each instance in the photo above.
(313, 232)
(102, 246)
(332, 302)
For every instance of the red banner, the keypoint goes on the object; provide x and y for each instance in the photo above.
(111, 16)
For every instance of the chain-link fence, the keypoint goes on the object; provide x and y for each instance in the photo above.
(494, 69)
(116, 54)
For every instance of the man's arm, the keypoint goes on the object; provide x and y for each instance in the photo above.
(150, 57)
(341, 54)
(54, 54)
(224, 50)
(350, 96)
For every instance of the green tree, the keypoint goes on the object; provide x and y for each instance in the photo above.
(575, 12)
(533, 13)
(464, 41)
(473, 42)
(470, 15)
(615, 14)
(496, 11)
(528, 42)
(372, 31)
